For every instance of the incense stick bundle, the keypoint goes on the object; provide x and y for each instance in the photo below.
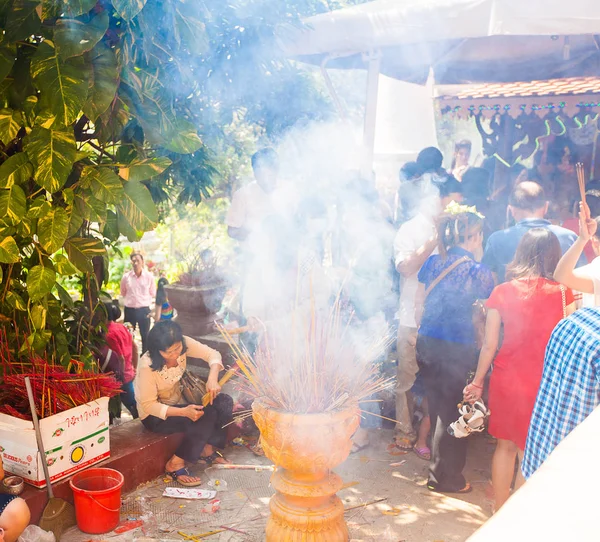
(580, 170)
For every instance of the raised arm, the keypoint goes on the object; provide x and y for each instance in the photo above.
(565, 273)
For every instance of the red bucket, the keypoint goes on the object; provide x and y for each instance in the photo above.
(97, 496)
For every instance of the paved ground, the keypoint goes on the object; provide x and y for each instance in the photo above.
(411, 513)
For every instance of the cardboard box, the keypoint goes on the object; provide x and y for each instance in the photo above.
(73, 440)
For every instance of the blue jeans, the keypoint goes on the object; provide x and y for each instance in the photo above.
(128, 399)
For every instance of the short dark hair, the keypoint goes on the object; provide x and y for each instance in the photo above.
(161, 295)
(134, 254)
(265, 157)
(537, 255)
(430, 159)
(161, 337)
(528, 196)
(450, 186)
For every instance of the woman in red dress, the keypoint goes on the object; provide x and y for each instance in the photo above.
(529, 307)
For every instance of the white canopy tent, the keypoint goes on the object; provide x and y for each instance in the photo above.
(459, 41)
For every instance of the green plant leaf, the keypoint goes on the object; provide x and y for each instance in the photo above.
(111, 228)
(141, 170)
(182, 137)
(128, 9)
(81, 250)
(63, 266)
(16, 170)
(26, 228)
(9, 251)
(68, 8)
(7, 60)
(104, 81)
(53, 230)
(10, 124)
(23, 20)
(63, 83)
(37, 316)
(138, 207)
(39, 208)
(76, 220)
(104, 183)
(15, 301)
(73, 37)
(125, 228)
(189, 28)
(52, 153)
(64, 296)
(40, 281)
(13, 204)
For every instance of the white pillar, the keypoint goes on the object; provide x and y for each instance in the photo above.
(374, 59)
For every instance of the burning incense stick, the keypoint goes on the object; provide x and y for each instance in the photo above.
(579, 168)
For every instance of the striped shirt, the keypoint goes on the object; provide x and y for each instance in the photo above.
(570, 386)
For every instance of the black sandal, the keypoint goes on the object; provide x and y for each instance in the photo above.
(210, 459)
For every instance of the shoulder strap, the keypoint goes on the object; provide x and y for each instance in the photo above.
(106, 360)
(445, 273)
(563, 294)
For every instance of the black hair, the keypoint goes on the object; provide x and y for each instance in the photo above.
(265, 157)
(161, 294)
(113, 311)
(409, 172)
(592, 198)
(450, 186)
(476, 185)
(161, 337)
(133, 254)
(430, 159)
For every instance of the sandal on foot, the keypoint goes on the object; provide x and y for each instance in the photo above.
(466, 489)
(212, 458)
(176, 474)
(404, 442)
(423, 452)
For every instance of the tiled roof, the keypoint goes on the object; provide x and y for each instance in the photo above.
(553, 87)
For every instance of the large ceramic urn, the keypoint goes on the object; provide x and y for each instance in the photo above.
(196, 306)
(305, 447)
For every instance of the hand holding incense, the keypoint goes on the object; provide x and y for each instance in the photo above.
(580, 170)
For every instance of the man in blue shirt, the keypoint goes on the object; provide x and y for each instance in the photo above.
(528, 206)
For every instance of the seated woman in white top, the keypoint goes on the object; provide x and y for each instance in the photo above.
(163, 409)
(585, 279)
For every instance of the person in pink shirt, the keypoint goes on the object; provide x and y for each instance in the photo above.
(139, 291)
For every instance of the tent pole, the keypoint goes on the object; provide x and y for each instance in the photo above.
(374, 59)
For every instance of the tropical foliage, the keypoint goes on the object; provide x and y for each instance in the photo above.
(110, 111)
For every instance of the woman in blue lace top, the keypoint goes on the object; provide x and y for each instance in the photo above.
(446, 343)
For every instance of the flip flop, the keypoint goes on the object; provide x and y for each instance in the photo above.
(423, 453)
(212, 458)
(467, 489)
(176, 474)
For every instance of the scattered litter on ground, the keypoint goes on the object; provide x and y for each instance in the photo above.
(217, 484)
(213, 506)
(398, 464)
(125, 526)
(189, 493)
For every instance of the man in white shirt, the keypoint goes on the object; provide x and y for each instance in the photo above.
(253, 202)
(415, 241)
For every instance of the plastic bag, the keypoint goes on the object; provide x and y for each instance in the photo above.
(34, 534)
